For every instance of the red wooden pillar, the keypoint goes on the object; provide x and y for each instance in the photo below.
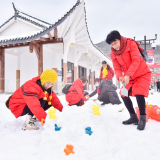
(17, 79)
(65, 73)
(39, 52)
(2, 69)
(40, 61)
(75, 72)
(92, 80)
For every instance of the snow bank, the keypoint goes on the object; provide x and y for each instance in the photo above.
(110, 139)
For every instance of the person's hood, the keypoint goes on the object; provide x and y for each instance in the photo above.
(78, 82)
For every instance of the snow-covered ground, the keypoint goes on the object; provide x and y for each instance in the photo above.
(110, 139)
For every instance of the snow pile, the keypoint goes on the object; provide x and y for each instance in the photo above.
(109, 140)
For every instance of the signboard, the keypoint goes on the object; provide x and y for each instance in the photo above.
(59, 73)
(155, 65)
(153, 80)
(155, 75)
(150, 57)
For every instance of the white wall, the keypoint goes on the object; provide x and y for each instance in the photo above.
(52, 56)
(10, 72)
(28, 66)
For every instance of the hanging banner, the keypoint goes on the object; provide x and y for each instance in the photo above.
(155, 75)
(150, 57)
(155, 65)
(153, 81)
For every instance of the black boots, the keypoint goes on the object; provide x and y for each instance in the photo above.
(133, 120)
(142, 123)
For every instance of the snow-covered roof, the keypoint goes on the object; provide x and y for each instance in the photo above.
(64, 24)
(14, 39)
(26, 17)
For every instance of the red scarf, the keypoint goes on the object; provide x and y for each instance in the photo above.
(123, 45)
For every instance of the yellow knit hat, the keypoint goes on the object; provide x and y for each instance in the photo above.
(49, 75)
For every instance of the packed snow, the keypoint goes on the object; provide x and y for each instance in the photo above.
(110, 139)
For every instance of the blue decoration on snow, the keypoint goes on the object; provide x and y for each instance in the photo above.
(88, 130)
(57, 128)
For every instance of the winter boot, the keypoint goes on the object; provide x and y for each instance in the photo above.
(133, 120)
(34, 119)
(142, 123)
(29, 125)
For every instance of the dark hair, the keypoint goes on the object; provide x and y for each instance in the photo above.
(108, 67)
(84, 79)
(7, 102)
(104, 62)
(97, 80)
(112, 36)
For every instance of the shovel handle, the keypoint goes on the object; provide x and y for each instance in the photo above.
(123, 84)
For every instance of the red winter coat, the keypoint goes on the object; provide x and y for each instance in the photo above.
(130, 63)
(109, 76)
(77, 94)
(29, 94)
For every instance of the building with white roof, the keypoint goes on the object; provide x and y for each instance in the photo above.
(29, 45)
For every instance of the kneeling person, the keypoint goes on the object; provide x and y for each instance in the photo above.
(76, 94)
(106, 92)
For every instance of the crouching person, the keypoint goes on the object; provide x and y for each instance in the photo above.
(76, 94)
(106, 92)
(33, 98)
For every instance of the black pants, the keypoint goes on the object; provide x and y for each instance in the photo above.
(140, 100)
(44, 105)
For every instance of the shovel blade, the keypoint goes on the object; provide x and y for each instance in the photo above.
(124, 92)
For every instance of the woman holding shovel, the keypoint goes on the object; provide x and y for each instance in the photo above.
(131, 69)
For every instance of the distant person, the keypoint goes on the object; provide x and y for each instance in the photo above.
(158, 85)
(106, 72)
(76, 94)
(131, 69)
(33, 98)
(154, 85)
(106, 92)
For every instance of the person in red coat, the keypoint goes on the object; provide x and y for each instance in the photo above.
(33, 98)
(76, 94)
(130, 68)
(106, 72)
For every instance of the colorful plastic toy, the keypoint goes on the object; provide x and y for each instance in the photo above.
(42, 121)
(57, 128)
(152, 111)
(51, 113)
(88, 130)
(121, 110)
(69, 149)
(95, 109)
(147, 112)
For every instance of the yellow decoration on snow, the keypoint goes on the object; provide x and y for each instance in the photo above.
(95, 109)
(105, 72)
(51, 113)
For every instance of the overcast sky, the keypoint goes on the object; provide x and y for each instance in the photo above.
(130, 17)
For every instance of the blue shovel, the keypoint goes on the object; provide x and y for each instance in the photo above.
(124, 91)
